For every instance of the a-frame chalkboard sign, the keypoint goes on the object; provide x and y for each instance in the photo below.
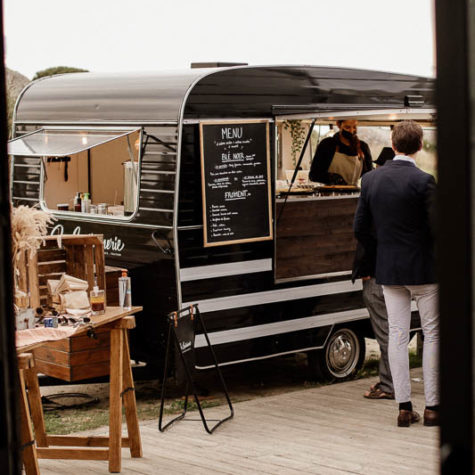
(235, 176)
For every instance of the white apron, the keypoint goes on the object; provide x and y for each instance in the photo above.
(347, 166)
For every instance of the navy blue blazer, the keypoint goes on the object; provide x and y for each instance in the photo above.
(397, 202)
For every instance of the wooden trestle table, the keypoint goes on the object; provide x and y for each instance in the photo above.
(40, 445)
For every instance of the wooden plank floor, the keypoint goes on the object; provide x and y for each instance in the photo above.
(327, 430)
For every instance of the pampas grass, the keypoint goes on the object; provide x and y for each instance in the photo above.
(29, 227)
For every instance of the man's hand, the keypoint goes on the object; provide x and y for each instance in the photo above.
(368, 277)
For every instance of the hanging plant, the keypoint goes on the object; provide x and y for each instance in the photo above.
(298, 132)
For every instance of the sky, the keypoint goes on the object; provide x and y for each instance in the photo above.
(144, 35)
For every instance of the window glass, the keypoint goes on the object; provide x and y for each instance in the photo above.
(102, 179)
(59, 142)
(291, 137)
(379, 137)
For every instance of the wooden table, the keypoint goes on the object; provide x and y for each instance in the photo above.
(121, 391)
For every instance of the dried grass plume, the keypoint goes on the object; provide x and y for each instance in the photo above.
(29, 227)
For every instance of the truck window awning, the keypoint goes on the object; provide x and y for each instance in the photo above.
(61, 142)
(379, 115)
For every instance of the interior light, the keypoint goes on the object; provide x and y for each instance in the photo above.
(392, 116)
(84, 140)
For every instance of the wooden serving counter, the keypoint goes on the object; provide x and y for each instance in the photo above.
(314, 235)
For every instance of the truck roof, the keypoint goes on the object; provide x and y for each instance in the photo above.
(204, 93)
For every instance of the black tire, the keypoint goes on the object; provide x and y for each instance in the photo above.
(341, 358)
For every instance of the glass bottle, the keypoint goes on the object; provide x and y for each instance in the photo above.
(77, 202)
(125, 291)
(97, 301)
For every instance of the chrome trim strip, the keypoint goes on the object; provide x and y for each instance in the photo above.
(148, 190)
(225, 270)
(265, 357)
(26, 165)
(25, 199)
(158, 210)
(24, 182)
(273, 296)
(109, 222)
(235, 119)
(96, 127)
(114, 122)
(277, 328)
(343, 196)
(158, 172)
(314, 276)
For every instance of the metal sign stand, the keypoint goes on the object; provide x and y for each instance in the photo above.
(181, 329)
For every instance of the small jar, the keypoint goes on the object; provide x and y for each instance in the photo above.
(93, 209)
(102, 208)
(97, 301)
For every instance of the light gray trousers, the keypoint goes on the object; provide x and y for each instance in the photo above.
(398, 303)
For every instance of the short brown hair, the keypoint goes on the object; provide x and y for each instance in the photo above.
(407, 137)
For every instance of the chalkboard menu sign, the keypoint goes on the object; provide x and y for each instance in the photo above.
(235, 175)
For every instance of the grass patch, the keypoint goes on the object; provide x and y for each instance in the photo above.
(67, 421)
(371, 366)
(415, 361)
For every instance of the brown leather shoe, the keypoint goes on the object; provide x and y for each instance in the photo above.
(406, 418)
(431, 417)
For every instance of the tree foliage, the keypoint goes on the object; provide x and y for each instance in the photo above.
(15, 82)
(58, 70)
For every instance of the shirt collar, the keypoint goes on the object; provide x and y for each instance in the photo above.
(404, 158)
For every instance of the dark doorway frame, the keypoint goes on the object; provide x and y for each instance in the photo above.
(9, 416)
(455, 237)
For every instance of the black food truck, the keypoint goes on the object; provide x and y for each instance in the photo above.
(186, 174)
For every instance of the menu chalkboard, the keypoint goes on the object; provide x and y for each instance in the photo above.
(235, 175)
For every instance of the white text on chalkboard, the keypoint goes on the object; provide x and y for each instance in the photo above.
(231, 133)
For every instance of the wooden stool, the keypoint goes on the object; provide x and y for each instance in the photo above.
(30, 460)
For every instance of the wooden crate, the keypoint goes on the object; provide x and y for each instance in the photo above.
(112, 285)
(75, 358)
(81, 256)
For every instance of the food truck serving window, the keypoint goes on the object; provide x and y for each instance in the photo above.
(85, 171)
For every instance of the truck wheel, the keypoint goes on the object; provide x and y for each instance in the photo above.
(341, 358)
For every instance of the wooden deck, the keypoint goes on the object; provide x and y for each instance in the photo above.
(327, 430)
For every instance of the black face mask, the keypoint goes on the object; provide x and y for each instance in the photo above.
(347, 135)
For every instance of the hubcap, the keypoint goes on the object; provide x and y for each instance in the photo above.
(342, 353)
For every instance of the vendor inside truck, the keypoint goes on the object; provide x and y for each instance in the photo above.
(343, 158)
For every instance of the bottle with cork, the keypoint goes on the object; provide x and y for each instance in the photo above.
(77, 202)
(98, 306)
(125, 291)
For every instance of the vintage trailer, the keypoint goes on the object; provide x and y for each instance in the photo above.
(164, 155)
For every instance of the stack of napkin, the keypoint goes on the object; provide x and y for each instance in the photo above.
(69, 294)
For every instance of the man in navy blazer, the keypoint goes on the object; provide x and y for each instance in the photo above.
(396, 201)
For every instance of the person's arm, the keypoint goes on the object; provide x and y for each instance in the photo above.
(430, 203)
(321, 160)
(363, 223)
(368, 159)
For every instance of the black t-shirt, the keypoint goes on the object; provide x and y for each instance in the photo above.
(324, 155)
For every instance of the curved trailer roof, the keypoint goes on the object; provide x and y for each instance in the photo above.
(247, 91)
